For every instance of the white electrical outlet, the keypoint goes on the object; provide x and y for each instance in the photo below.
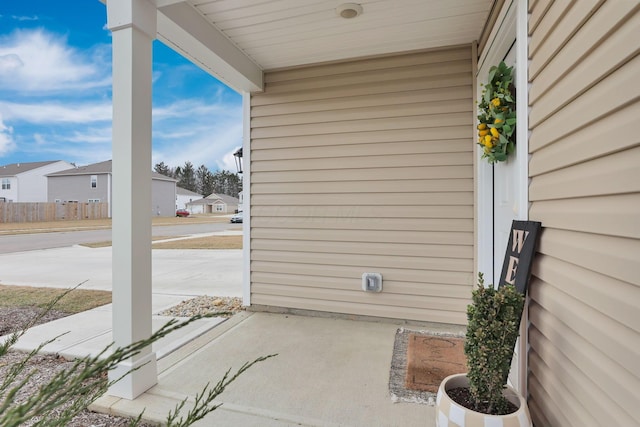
(372, 282)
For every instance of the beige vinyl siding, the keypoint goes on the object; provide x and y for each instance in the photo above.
(365, 166)
(585, 189)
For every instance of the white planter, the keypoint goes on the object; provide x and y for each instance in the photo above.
(450, 414)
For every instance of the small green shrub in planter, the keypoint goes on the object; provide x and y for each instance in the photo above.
(492, 331)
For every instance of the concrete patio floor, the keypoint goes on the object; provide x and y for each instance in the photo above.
(328, 372)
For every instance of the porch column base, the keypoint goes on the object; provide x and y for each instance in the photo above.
(135, 377)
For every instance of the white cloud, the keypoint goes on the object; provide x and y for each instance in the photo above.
(210, 148)
(188, 130)
(80, 157)
(57, 146)
(92, 136)
(56, 112)
(10, 63)
(229, 161)
(194, 108)
(49, 110)
(199, 132)
(37, 61)
(7, 143)
(25, 18)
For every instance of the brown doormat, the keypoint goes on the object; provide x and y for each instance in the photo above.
(399, 371)
(430, 359)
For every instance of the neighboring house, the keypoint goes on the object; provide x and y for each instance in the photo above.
(360, 156)
(94, 184)
(27, 182)
(214, 203)
(184, 196)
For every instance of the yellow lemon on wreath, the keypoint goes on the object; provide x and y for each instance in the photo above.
(496, 121)
(482, 126)
(483, 132)
(495, 102)
(487, 141)
(495, 133)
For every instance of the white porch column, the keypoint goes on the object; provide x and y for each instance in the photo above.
(133, 25)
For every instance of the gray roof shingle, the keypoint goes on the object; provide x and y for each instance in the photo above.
(14, 169)
(225, 198)
(185, 192)
(101, 168)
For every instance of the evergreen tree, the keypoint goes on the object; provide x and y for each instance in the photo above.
(225, 182)
(163, 169)
(187, 178)
(204, 181)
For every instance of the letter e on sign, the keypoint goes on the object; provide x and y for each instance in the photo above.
(511, 270)
(518, 259)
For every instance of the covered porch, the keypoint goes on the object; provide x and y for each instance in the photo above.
(323, 83)
(328, 372)
(360, 157)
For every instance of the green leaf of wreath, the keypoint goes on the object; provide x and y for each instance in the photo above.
(487, 95)
(492, 73)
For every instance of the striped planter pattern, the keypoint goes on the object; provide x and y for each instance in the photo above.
(450, 414)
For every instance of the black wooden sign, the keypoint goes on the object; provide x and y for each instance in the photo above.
(518, 259)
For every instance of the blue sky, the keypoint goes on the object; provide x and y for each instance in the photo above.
(55, 92)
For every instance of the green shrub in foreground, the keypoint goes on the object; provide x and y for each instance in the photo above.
(85, 381)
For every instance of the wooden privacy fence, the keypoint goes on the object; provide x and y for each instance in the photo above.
(40, 211)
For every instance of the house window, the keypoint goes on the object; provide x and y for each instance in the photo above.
(219, 208)
(94, 181)
(94, 200)
(6, 184)
(58, 201)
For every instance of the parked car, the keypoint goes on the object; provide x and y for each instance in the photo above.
(182, 213)
(237, 218)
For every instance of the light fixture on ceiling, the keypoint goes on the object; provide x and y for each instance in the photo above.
(349, 10)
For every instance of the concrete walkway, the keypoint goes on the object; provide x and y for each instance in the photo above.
(328, 372)
(180, 272)
(178, 275)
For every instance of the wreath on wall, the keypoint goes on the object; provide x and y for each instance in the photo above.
(497, 115)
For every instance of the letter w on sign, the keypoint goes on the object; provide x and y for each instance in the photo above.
(523, 240)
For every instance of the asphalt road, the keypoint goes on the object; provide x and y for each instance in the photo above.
(30, 242)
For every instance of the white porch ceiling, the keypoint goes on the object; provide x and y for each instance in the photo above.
(286, 33)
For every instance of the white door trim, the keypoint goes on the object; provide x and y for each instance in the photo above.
(500, 41)
(511, 25)
(522, 104)
(522, 137)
